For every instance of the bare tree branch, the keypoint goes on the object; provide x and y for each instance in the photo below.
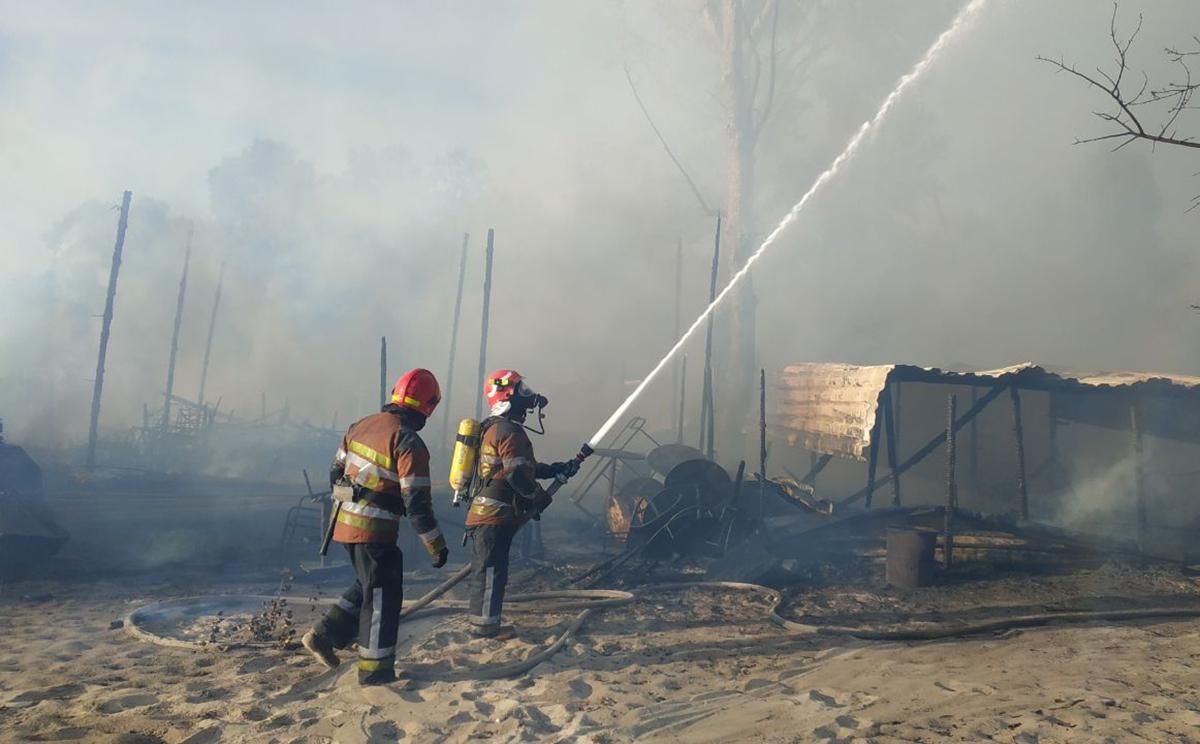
(1129, 126)
(683, 171)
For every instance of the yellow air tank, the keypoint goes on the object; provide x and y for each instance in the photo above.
(466, 455)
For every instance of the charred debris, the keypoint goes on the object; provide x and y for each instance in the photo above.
(906, 476)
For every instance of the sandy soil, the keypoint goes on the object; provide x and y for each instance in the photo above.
(692, 665)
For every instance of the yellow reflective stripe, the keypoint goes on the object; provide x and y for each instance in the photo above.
(374, 665)
(369, 524)
(368, 473)
(366, 510)
(378, 458)
(407, 401)
(433, 540)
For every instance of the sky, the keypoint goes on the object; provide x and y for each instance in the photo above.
(333, 157)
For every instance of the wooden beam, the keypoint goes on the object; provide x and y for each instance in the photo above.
(1014, 395)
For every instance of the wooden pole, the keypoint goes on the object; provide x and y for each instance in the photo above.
(483, 332)
(675, 404)
(682, 400)
(762, 441)
(187, 257)
(462, 274)
(889, 418)
(106, 326)
(212, 324)
(1014, 395)
(383, 381)
(951, 481)
(1139, 471)
(707, 413)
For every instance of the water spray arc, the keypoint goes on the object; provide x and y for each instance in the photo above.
(960, 21)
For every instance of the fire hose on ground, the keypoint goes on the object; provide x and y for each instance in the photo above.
(590, 601)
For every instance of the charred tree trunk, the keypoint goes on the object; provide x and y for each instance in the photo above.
(739, 209)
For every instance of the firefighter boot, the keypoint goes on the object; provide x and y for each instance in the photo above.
(494, 632)
(321, 649)
(384, 676)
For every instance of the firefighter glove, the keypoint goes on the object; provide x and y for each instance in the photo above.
(565, 469)
(541, 501)
(439, 560)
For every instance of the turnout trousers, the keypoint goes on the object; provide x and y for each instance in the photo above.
(369, 610)
(489, 573)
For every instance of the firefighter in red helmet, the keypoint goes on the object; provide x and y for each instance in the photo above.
(507, 490)
(386, 467)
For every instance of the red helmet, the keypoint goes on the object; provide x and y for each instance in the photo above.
(417, 389)
(502, 386)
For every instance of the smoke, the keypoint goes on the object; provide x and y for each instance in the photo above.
(333, 164)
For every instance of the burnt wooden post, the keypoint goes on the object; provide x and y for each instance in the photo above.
(462, 274)
(187, 257)
(682, 400)
(212, 324)
(106, 326)
(951, 481)
(707, 425)
(1014, 395)
(483, 331)
(973, 445)
(1139, 470)
(762, 440)
(383, 386)
(889, 422)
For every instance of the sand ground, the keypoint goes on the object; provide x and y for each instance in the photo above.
(692, 665)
